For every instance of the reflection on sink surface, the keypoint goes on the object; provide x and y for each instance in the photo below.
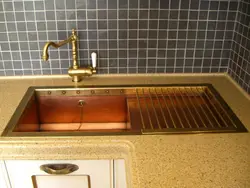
(74, 113)
(158, 109)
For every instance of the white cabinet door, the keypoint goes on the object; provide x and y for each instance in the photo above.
(61, 181)
(21, 171)
(119, 174)
(4, 183)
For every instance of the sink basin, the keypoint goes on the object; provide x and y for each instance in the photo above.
(64, 113)
(161, 109)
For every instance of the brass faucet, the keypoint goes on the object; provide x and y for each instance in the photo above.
(75, 71)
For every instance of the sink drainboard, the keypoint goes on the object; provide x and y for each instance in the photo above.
(105, 110)
(182, 110)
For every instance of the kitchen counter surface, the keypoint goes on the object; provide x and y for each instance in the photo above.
(194, 160)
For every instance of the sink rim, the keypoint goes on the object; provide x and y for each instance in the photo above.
(8, 131)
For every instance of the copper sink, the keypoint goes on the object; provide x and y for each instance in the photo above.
(65, 111)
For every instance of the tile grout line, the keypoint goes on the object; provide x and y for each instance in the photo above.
(26, 25)
(131, 48)
(234, 30)
(138, 36)
(59, 55)
(107, 8)
(37, 38)
(186, 37)
(166, 53)
(237, 65)
(175, 59)
(47, 37)
(126, 58)
(91, 19)
(128, 35)
(223, 42)
(115, 29)
(118, 35)
(121, 67)
(97, 34)
(248, 64)
(196, 34)
(157, 38)
(78, 45)
(18, 40)
(2, 61)
(205, 40)
(8, 40)
(87, 29)
(67, 28)
(216, 26)
(123, 9)
(149, 1)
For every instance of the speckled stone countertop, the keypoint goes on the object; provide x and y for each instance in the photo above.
(199, 160)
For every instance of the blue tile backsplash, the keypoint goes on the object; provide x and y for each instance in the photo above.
(129, 36)
(239, 67)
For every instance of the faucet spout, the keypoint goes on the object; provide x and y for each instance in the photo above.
(45, 56)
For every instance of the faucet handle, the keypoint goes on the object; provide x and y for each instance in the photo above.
(93, 58)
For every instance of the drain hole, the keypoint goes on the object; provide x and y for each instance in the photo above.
(81, 103)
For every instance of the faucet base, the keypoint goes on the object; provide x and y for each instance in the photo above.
(78, 73)
(76, 78)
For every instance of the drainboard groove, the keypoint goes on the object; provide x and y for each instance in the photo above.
(157, 119)
(205, 117)
(169, 112)
(163, 115)
(190, 113)
(223, 109)
(216, 110)
(181, 107)
(173, 106)
(139, 104)
(147, 109)
(210, 112)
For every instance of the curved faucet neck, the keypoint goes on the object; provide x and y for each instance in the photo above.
(73, 39)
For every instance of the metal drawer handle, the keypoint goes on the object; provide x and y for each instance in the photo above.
(59, 168)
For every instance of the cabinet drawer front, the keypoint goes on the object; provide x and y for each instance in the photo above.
(62, 181)
(20, 172)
